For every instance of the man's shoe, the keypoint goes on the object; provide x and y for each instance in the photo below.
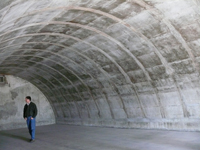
(32, 140)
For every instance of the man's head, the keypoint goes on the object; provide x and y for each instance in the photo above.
(28, 99)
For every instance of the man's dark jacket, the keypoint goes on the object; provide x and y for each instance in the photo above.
(30, 110)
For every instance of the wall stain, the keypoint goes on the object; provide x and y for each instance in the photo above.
(7, 110)
(14, 95)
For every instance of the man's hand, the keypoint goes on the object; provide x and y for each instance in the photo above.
(31, 118)
(25, 118)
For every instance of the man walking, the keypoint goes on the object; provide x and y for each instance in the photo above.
(30, 112)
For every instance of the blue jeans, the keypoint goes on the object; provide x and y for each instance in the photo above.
(31, 127)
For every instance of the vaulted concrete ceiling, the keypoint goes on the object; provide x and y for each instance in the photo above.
(104, 59)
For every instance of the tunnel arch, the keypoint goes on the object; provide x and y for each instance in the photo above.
(119, 63)
(13, 92)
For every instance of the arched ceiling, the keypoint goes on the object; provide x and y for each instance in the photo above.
(103, 59)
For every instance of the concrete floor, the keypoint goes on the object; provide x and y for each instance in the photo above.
(66, 137)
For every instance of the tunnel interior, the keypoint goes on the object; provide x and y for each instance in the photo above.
(13, 91)
(119, 63)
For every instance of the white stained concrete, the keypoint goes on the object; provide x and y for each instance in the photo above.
(116, 63)
(66, 137)
(12, 101)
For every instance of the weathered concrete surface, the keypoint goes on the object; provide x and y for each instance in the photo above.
(66, 137)
(119, 63)
(12, 101)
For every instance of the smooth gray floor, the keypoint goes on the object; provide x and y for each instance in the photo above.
(66, 137)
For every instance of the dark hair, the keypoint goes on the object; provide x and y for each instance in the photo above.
(28, 97)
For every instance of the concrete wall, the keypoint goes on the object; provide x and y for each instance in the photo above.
(118, 63)
(175, 105)
(12, 101)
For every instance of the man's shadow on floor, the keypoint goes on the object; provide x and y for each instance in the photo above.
(14, 136)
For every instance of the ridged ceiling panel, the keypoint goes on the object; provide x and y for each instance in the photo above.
(101, 59)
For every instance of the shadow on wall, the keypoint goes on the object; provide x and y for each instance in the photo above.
(12, 100)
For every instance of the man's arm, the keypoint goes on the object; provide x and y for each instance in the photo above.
(24, 112)
(34, 111)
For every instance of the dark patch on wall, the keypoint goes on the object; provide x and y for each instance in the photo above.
(3, 80)
(7, 110)
(14, 95)
(4, 3)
